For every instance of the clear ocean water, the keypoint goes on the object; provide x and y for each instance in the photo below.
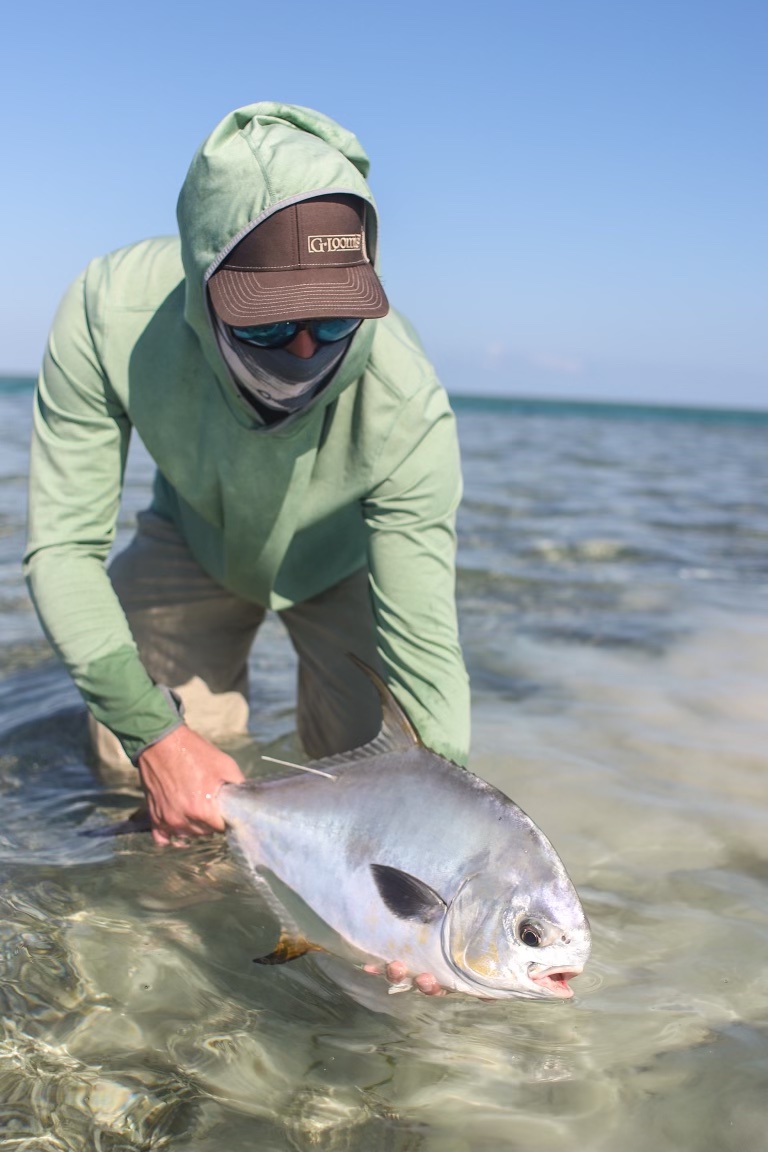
(613, 591)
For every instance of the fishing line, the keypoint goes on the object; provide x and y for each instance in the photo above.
(301, 767)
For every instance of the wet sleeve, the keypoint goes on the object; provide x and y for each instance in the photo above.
(410, 518)
(79, 445)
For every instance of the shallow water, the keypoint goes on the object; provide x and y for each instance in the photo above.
(613, 591)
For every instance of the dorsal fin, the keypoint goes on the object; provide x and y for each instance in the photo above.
(396, 729)
(396, 734)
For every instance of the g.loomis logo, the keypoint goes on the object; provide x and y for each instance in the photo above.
(335, 243)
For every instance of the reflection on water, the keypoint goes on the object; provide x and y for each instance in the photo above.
(619, 698)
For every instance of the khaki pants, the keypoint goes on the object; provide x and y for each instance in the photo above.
(195, 636)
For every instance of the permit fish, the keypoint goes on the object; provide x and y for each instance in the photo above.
(407, 856)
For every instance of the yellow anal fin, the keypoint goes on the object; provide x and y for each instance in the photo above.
(288, 948)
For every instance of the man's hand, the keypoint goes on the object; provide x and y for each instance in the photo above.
(181, 775)
(397, 974)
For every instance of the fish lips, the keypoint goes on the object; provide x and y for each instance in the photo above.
(553, 982)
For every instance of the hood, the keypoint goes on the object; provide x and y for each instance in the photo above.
(257, 160)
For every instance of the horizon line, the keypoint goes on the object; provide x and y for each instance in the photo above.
(25, 380)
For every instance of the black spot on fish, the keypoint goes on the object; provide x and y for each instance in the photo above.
(406, 896)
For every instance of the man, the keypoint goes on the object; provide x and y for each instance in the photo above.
(306, 463)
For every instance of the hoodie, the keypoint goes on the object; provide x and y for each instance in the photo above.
(366, 475)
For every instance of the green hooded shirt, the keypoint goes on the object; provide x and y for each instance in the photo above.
(366, 475)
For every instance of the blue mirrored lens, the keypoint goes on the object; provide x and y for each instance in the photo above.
(328, 331)
(325, 331)
(268, 335)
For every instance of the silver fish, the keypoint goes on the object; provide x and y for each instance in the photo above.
(409, 857)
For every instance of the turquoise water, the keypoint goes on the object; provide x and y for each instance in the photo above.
(613, 587)
(505, 405)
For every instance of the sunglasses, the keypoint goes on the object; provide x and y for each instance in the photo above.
(277, 335)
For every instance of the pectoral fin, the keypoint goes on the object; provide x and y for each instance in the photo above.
(406, 896)
(288, 948)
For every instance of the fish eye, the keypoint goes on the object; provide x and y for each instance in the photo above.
(530, 934)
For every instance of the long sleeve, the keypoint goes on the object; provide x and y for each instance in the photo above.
(79, 446)
(410, 518)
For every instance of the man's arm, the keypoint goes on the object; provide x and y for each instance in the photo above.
(79, 446)
(410, 516)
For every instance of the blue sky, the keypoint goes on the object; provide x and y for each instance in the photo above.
(572, 192)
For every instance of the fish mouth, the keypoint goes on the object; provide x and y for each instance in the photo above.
(554, 981)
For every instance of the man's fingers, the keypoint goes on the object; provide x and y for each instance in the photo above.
(427, 984)
(181, 835)
(397, 972)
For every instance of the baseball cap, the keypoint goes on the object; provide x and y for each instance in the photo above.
(304, 261)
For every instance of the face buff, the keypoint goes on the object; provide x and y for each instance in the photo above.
(274, 377)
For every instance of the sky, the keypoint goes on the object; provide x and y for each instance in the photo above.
(572, 193)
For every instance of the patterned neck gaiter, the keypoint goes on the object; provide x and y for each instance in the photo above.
(275, 377)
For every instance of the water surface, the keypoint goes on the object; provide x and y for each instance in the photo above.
(613, 586)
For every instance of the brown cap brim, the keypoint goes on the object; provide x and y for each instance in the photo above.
(244, 298)
(303, 261)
